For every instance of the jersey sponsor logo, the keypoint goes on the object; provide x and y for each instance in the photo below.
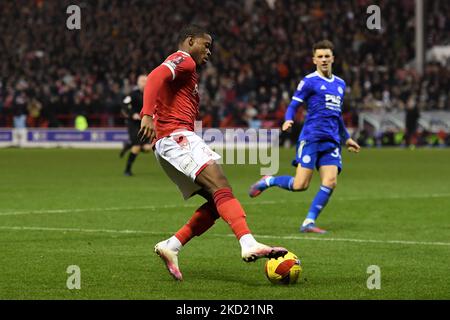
(333, 102)
(332, 99)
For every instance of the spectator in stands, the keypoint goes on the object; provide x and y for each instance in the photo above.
(20, 110)
(34, 109)
(262, 45)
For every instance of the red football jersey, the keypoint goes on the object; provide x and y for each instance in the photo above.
(174, 105)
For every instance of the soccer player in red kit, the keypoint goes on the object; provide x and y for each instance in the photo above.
(170, 108)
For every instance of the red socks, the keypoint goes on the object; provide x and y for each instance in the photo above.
(226, 206)
(203, 219)
(231, 211)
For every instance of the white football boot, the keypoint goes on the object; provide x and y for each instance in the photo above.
(170, 258)
(260, 250)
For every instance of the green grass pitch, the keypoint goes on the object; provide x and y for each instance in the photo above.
(62, 207)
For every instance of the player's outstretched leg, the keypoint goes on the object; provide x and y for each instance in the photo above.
(310, 227)
(284, 182)
(259, 186)
(296, 184)
(232, 212)
(251, 250)
(228, 207)
(203, 219)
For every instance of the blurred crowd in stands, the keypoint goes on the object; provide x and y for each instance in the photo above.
(261, 50)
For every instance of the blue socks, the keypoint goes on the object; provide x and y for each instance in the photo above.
(319, 202)
(284, 182)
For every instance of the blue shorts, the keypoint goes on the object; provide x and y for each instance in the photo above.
(317, 154)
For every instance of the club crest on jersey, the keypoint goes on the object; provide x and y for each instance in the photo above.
(340, 90)
(195, 91)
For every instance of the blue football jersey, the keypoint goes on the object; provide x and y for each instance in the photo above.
(323, 98)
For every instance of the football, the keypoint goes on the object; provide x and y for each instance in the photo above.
(284, 270)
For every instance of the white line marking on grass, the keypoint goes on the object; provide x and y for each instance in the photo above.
(226, 235)
(44, 211)
(245, 203)
(358, 240)
(80, 230)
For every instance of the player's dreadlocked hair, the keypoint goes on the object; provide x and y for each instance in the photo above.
(192, 30)
(323, 44)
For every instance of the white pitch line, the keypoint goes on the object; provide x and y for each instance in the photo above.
(359, 240)
(245, 203)
(45, 211)
(403, 242)
(80, 230)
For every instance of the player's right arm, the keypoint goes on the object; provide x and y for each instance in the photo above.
(298, 99)
(175, 66)
(155, 81)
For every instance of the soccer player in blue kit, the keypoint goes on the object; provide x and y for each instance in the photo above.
(319, 143)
